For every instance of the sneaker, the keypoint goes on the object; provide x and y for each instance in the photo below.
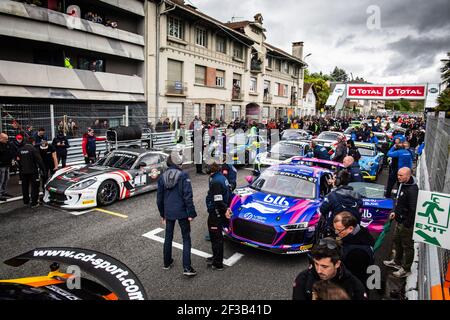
(209, 260)
(167, 267)
(190, 272)
(3, 198)
(34, 206)
(7, 195)
(392, 264)
(217, 267)
(401, 273)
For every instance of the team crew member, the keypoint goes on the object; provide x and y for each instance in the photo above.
(404, 156)
(341, 150)
(61, 144)
(230, 172)
(327, 265)
(353, 168)
(404, 214)
(175, 202)
(30, 162)
(217, 203)
(48, 155)
(7, 153)
(320, 152)
(343, 198)
(89, 146)
(39, 136)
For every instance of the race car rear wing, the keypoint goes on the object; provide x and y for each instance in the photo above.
(112, 273)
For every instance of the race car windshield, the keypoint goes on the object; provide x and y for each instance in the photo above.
(290, 149)
(328, 136)
(368, 190)
(120, 161)
(366, 152)
(285, 184)
(294, 135)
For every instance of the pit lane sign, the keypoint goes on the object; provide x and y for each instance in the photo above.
(386, 92)
(432, 219)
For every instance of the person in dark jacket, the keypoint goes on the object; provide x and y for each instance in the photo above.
(353, 168)
(353, 150)
(320, 152)
(7, 153)
(17, 143)
(30, 162)
(404, 214)
(48, 155)
(175, 203)
(39, 136)
(343, 198)
(341, 150)
(393, 169)
(230, 172)
(61, 144)
(217, 203)
(327, 265)
(357, 245)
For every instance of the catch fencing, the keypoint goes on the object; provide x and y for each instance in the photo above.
(430, 268)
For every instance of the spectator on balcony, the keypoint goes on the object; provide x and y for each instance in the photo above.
(110, 23)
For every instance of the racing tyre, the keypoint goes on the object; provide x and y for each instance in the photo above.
(107, 193)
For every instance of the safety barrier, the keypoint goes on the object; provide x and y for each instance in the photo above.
(430, 278)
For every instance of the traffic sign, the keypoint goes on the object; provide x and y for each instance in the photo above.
(432, 219)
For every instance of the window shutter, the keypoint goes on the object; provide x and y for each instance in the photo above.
(174, 70)
(200, 75)
(210, 77)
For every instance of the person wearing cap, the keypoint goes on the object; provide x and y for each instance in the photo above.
(39, 136)
(89, 146)
(48, 155)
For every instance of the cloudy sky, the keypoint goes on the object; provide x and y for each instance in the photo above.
(413, 37)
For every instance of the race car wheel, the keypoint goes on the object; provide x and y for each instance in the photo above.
(107, 193)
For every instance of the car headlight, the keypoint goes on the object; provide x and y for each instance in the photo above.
(84, 184)
(295, 226)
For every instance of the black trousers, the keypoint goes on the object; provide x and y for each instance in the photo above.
(33, 181)
(62, 159)
(392, 180)
(215, 224)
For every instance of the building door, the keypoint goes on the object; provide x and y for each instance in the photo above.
(210, 112)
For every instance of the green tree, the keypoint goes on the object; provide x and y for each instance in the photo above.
(320, 84)
(445, 70)
(444, 101)
(339, 75)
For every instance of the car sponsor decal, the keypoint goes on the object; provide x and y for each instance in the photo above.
(88, 201)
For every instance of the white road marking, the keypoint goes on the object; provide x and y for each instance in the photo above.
(228, 262)
(16, 198)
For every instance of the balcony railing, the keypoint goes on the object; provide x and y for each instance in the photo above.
(176, 88)
(267, 98)
(237, 94)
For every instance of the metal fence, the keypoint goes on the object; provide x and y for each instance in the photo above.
(433, 175)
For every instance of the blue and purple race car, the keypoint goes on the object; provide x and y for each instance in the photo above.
(279, 210)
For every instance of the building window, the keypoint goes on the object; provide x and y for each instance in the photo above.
(221, 45)
(282, 89)
(221, 111)
(197, 109)
(286, 67)
(277, 65)
(91, 64)
(200, 75)
(269, 62)
(174, 70)
(201, 37)
(253, 84)
(265, 112)
(285, 90)
(175, 28)
(235, 112)
(220, 78)
(238, 51)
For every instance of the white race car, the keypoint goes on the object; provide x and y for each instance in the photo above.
(121, 174)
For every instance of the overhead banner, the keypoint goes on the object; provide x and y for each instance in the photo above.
(386, 92)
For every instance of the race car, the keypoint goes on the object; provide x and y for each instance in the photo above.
(282, 152)
(279, 210)
(371, 162)
(296, 135)
(329, 138)
(121, 174)
(118, 282)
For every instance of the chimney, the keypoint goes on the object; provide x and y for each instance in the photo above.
(297, 49)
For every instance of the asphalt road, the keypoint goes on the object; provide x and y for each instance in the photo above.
(119, 233)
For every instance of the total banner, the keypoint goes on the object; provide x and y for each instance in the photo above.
(387, 92)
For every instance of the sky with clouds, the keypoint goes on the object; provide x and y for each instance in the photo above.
(413, 35)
